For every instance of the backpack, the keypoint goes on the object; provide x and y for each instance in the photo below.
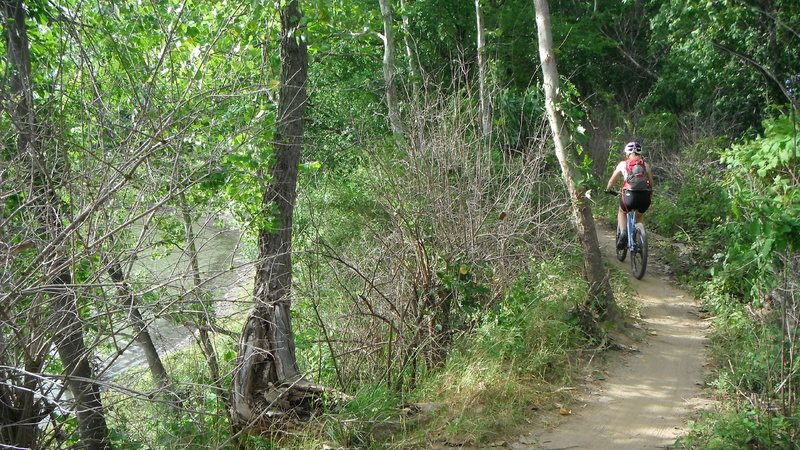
(637, 175)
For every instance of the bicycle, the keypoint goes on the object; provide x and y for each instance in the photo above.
(637, 245)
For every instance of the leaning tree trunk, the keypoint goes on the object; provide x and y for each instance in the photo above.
(142, 335)
(595, 272)
(66, 329)
(389, 70)
(68, 336)
(267, 384)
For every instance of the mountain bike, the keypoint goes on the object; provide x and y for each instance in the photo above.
(637, 245)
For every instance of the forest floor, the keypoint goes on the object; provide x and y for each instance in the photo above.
(641, 398)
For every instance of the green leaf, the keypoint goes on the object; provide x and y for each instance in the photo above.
(755, 227)
(767, 248)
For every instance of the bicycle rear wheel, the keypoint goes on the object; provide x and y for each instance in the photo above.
(639, 254)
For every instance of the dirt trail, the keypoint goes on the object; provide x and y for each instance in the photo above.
(647, 395)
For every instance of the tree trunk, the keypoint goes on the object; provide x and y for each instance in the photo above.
(20, 412)
(206, 344)
(411, 54)
(485, 113)
(389, 68)
(68, 336)
(267, 383)
(595, 272)
(142, 335)
(66, 326)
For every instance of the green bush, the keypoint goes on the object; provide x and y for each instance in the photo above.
(747, 232)
(742, 428)
(517, 356)
(359, 423)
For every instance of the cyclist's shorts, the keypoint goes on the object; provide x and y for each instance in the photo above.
(635, 200)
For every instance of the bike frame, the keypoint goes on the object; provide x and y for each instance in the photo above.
(637, 245)
(631, 231)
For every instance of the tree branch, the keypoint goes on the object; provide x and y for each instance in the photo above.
(630, 58)
(761, 68)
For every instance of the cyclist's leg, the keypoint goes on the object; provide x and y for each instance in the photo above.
(641, 203)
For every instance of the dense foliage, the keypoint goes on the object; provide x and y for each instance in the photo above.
(745, 242)
(417, 257)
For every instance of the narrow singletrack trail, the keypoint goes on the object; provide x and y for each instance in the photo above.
(647, 396)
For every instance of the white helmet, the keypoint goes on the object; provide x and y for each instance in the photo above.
(633, 147)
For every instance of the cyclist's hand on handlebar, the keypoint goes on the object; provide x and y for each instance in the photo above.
(611, 192)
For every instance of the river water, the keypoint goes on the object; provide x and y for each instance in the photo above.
(226, 282)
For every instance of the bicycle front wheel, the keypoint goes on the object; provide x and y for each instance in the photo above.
(639, 253)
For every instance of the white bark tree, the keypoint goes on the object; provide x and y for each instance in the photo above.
(389, 71)
(411, 54)
(485, 112)
(595, 272)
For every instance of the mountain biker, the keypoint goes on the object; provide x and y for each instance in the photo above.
(636, 193)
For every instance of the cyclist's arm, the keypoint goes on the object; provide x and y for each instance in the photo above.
(650, 178)
(613, 180)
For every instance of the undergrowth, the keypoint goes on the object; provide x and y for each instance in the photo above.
(515, 365)
(737, 236)
(519, 362)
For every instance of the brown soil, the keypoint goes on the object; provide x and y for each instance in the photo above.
(647, 395)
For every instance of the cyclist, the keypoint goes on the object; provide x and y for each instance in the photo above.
(637, 189)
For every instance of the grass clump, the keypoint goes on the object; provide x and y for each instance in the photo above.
(192, 415)
(511, 366)
(372, 418)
